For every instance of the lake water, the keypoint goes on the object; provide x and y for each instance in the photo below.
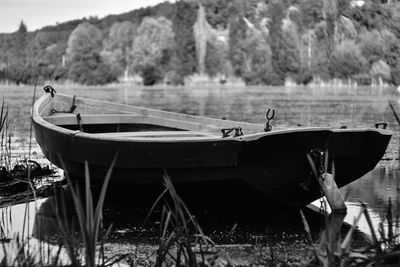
(308, 106)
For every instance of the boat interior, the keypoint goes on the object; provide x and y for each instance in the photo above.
(99, 118)
(124, 125)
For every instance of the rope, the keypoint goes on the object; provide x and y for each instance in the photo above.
(71, 110)
(79, 121)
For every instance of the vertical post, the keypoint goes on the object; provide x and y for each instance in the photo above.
(332, 193)
(395, 116)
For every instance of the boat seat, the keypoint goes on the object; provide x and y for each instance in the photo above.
(156, 134)
(68, 119)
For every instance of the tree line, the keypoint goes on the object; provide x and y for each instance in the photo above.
(259, 41)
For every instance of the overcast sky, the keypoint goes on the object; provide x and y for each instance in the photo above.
(39, 13)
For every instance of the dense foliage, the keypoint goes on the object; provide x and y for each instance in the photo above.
(259, 41)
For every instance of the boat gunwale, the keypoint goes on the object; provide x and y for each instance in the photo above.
(37, 118)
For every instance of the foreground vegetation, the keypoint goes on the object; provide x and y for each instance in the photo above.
(257, 41)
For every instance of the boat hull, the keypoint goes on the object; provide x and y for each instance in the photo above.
(285, 172)
(275, 164)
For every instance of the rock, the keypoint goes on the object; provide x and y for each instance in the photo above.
(4, 175)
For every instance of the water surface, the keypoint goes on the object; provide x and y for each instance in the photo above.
(306, 106)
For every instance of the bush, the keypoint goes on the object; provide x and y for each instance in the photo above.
(60, 73)
(304, 77)
(395, 74)
(151, 75)
(274, 79)
(380, 69)
(362, 79)
(93, 71)
(22, 73)
(265, 78)
(173, 78)
(251, 78)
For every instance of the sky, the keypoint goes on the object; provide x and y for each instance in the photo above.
(39, 13)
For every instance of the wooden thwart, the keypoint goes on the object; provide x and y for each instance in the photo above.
(70, 118)
(156, 134)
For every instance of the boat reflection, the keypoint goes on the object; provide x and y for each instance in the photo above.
(246, 213)
(126, 210)
(18, 225)
(55, 218)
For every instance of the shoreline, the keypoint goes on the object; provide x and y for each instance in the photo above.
(211, 83)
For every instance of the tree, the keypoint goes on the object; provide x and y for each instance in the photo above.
(372, 46)
(381, 70)
(152, 46)
(311, 12)
(217, 13)
(257, 60)
(237, 32)
(371, 15)
(277, 43)
(345, 29)
(330, 11)
(22, 28)
(118, 44)
(36, 46)
(85, 63)
(93, 71)
(292, 49)
(216, 57)
(84, 42)
(243, 14)
(185, 46)
(347, 60)
(342, 7)
(39, 53)
(392, 45)
(20, 41)
(14, 55)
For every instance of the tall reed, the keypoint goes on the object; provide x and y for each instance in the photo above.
(181, 239)
(5, 142)
(89, 216)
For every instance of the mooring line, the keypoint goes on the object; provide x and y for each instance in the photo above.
(394, 112)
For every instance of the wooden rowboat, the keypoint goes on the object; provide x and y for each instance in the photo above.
(193, 149)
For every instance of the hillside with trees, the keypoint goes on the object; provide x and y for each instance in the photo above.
(261, 42)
